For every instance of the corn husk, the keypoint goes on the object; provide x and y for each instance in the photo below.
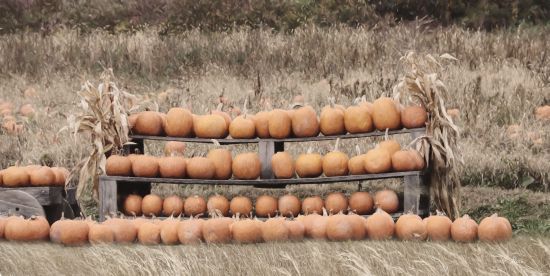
(439, 147)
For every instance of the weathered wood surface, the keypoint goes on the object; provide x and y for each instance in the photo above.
(45, 195)
(17, 202)
(291, 139)
(108, 198)
(260, 182)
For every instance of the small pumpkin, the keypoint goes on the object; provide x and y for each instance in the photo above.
(132, 205)
(309, 165)
(335, 163)
(201, 168)
(194, 205)
(414, 117)
(241, 206)
(494, 229)
(279, 124)
(44, 176)
(169, 231)
(289, 206)
(210, 126)
(385, 114)
(339, 228)
(386, 200)
(246, 231)
(100, 234)
(438, 227)
(217, 230)
(149, 123)
(172, 206)
(151, 205)
(282, 165)
(305, 122)
(124, 230)
(190, 231)
(246, 166)
(149, 234)
(380, 225)
(179, 122)
(361, 203)
(313, 205)
(15, 177)
(222, 160)
(464, 229)
(336, 203)
(357, 119)
(275, 230)
(261, 123)
(242, 127)
(26, 230)
(331, 121)
(218, 204)
(296, 230)
(377, 160)
(410, 227)
(266, 206)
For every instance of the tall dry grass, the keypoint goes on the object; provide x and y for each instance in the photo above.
(521, 256)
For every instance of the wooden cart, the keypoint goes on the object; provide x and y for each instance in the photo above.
(112, 189)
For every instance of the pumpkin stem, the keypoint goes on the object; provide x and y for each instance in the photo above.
(358, 150)
(219, 107)
(309, 150)
(331, 101)
(386, 135)
(356, 101)
(216, 142)
(245, 109)
(495, 215)
(336, 144)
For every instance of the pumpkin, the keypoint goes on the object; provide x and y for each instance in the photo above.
(380, 225)
(218, 204)
(172, 206)
(145, 166)
(246, 166)
(377, 160)
(296, 230)
(410, 227)
(3, 221)
(124, 231)
(390, 145)
(386, 200)
(464, 229)
(179, 122)
(304, 122)
(339, 228)
(132, 119)
(226, 117)
(132, 205)
(100, 233)
(313, 205)
(246, 231)
(542, 113)
(222, 160)
(44, 176)
(336, 203)
(149, 123)
(151, 205)
(335, 163)
(315, 226)
(201, 168)
(32, 229)
(149, 234)
(241, 206)
(194, 205)
(279, 124)
(190, 231)
(174, 148)
(361, 203)
(274, 230)
(172, 166)
(357, 119)
(261, 123)
(494, 229)
(282, 165)
(289, 206)
(169, 231)
(61, 175)
(359, 230)
(403, 161)
(266, 206)
(418, 160)
(414, 117)
(217, 230)
(385, 114)
(438, 228)
(331, 121)
(366, 105)
(1, 178)
(356, 164)
(15, 177)
(210, 126)
(309, 165)
(242, 127)
(74, 232)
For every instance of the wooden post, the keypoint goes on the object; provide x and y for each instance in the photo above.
(107, 198)
(416, 196)
(266, 149)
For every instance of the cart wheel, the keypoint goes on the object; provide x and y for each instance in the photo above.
(20, 203)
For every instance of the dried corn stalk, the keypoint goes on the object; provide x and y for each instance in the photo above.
(422, 84)
(104, 122)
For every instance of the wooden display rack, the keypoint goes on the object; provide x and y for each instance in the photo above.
(416, 189)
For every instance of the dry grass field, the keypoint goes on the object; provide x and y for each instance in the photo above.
(499, 79)
(522, 256)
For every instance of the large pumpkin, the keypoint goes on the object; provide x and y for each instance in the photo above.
(25, 230)
(246, 166)
(357, 119)
(438, 227)
(44, 176)
(335, 163)
(200, 168)
(282, 165)
(261, 122)
(169, 231)
(304, 122)
(242, 127)
(279, 124)
(15, 177)
(145, 166)
(380, 225)
(464, 229)
(246, 231)
(190, 231)
(149, 234)
(494, 229)
(179, 122)
(210, 126)
(217, 230)
(404, 160)
(331, 121)
(414, 117)
(124, 230)
(309, 165)
(296, 230)
(172, 166)
(118, 165)
(222, 161)
(410, 227)
(74, 232)
(385, 114)
(149, 123)
(377, 160)
(274, 230)
(100, 233)
(339, 228)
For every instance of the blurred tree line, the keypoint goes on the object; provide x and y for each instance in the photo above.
(175, 15)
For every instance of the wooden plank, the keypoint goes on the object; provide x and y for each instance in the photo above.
(17, 202)
(46, 196)
(107, 198)
(266, 150)
(259, 182)
(292, 139)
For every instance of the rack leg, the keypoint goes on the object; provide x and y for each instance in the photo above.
(266, 150)
(132, 148)
(416, 195)
(107, 198)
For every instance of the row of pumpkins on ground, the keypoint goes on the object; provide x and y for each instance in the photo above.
(360, 203)
(339, 227)
(219, 164)
(364, 117)
(33, 175)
